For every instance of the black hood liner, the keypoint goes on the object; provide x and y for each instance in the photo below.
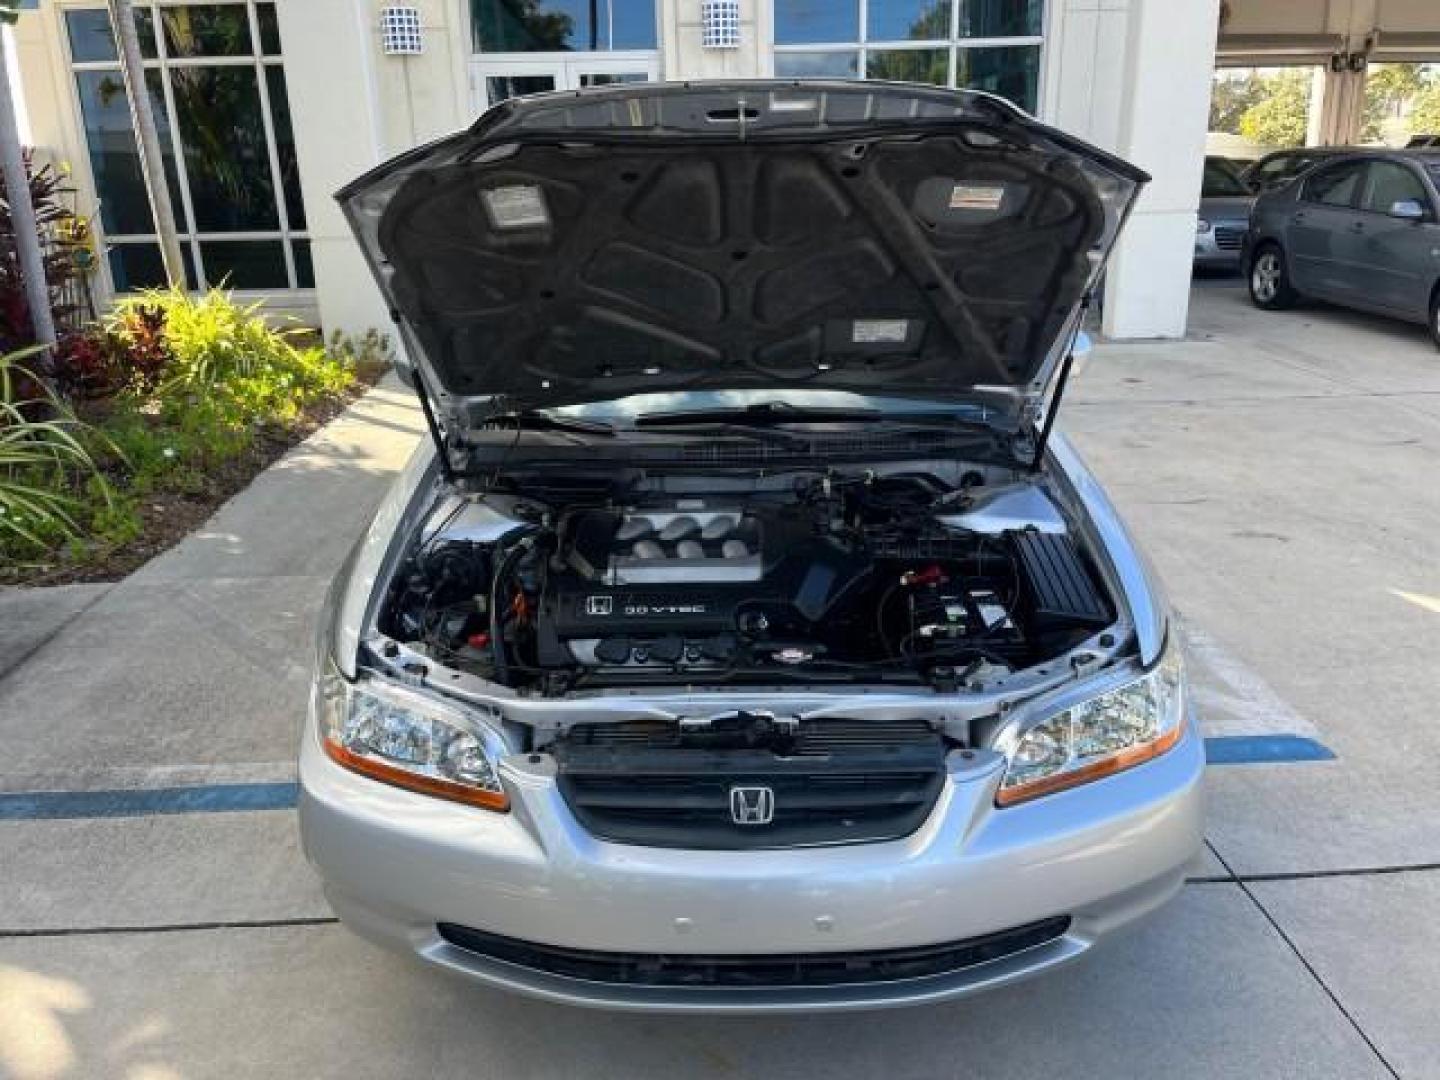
(927, 260)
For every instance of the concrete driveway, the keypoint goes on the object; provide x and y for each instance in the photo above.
(157, 920)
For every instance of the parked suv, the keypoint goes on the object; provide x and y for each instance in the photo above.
(745, 637)
(1362, 230)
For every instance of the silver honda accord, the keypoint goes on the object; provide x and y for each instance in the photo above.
(745, 638)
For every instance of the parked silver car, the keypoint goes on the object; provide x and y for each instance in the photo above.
(1224, 216)
(1361, 230)
(745, 639)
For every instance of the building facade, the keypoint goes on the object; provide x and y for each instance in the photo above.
(266, 107)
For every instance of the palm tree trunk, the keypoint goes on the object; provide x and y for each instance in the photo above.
(22, 210)
(152, 163)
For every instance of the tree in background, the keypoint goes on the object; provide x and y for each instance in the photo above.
(1425, 110)
(1279, 118)
(1389, 90)
(1231, 96)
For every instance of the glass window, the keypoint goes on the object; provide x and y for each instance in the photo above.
(222, 131)
(245, 264)
(304, 266)
(1012, 72)
(916, 20)
(1009, 70)
(1220, 180)
(285, 144)
(909, 65)
(801, 22)
(1389, 182)
(207, 30)
(139, 266)
(114, 155)
(817, 65)
(269, 29)
(1336, 185)
(1001, 18)
(610, 78)
(91, 38)
(562, 25)
(500, 87)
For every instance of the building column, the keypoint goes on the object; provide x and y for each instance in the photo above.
(1133, 76)
(356, 109)
(1337, 107)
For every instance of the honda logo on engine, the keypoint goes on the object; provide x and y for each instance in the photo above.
(599, 605)
(752, 805)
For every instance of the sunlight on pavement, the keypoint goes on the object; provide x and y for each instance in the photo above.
(1429, 603)
(33, 1043)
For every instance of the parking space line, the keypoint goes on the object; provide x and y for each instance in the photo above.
(1264, 749)
(146, 802)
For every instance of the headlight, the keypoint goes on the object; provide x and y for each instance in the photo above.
(412, 740)
(1103, 735)
(1201, 225)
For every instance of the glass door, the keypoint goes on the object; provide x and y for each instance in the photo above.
(493, 79)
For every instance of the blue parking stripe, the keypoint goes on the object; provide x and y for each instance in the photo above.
(145, 802)
(1264, 749)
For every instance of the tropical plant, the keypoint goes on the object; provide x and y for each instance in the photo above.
(211, 338)
(42, 459)
(59, 228)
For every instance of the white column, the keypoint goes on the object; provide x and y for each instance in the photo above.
(1170, 59)
(1133, 76)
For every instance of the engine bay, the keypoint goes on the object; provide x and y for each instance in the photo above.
(837, 577)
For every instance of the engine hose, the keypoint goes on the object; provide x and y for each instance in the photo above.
(497, 584)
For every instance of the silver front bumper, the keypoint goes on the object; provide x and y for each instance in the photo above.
(396, 863)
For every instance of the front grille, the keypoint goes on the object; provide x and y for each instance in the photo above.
(778, 971)
(1229, 239)
(829, 782)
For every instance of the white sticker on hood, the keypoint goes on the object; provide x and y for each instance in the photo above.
(880, 331)
(977, 197)
(518, 206)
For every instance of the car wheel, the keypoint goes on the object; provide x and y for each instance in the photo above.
(1435, 316)
(1270, 286)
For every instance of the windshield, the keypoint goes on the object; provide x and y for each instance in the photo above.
(1221, 180)
(623, 411)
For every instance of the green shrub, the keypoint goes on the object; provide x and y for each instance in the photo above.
(176, 387)
(43, 462)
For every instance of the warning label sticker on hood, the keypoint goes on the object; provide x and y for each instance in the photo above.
(976, 197)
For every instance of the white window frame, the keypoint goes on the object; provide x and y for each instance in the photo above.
(190, 236)
(954, 44)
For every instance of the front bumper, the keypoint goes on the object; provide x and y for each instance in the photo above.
(396, 864)
(1222, 246)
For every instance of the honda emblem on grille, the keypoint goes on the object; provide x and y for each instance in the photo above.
(752, 805)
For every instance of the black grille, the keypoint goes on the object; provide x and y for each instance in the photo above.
(1229, 239)
(785, 970)
(832, 782)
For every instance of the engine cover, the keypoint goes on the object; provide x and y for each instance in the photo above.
(688, 574)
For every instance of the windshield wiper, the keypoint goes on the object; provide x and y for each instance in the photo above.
(764, 412)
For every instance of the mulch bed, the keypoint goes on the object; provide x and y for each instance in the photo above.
(169, 517)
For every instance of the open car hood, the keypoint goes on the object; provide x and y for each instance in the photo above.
(868, 237)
